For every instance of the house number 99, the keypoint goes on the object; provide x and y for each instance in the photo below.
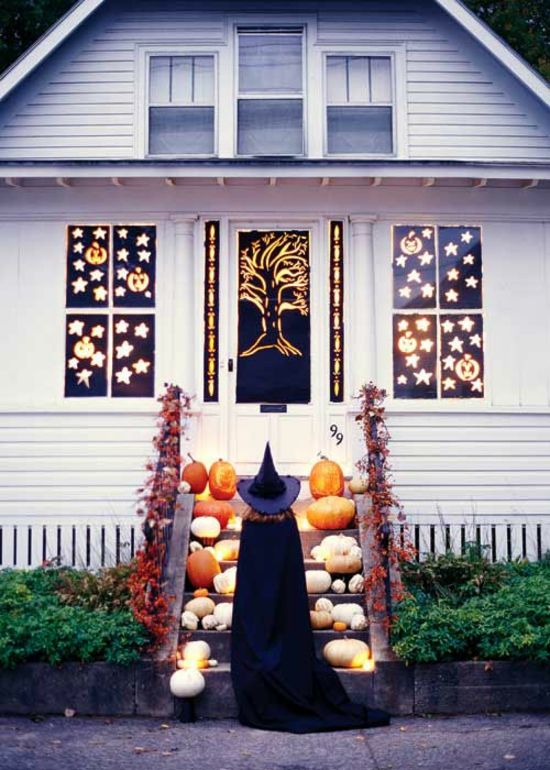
(337, 435)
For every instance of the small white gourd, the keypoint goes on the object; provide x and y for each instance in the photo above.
(323, 605)
(187, 683)
(224, 614)
(317, 581)
(189, 621)
(212, 663)
(358, 623)
(345, 612)
(317, 553)
(196, 650)
(356, 584)
(209, 622)
(225, 582)
(338, 586)
(356, 551)
(200, 606)
(194, 546)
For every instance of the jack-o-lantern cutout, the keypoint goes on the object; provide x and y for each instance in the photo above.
(84, 348)
(95, 254)
(467, 369)
(411, 243)
(407, 343)
(138, 280)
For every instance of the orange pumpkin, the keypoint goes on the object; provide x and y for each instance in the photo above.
(219, 509)
(331, 513)
(202, 567)
(196, 475)
(339, 625)
(326, 478)
(222, 480)
(200, 592)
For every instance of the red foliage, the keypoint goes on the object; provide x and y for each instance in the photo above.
(149, 604)
(382, 582)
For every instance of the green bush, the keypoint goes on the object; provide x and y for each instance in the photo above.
(43, 617)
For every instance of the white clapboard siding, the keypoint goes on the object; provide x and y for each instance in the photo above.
(460, 103)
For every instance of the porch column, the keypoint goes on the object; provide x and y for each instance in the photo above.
(185, 326)
(363, 306)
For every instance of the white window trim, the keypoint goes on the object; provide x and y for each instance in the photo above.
(145, 53)
(396, 52)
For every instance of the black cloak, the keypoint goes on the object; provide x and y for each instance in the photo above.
(279, 682)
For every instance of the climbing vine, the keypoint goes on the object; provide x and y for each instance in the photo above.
(149, 604)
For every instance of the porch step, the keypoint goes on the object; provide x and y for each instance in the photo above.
(308, 537)
(334, 598)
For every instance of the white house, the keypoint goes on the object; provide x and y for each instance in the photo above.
(270, 204)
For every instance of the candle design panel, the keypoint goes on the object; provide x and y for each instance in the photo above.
(415, 356)
(414, 266)
(460, 273)
(211, 311)
(133, 371)
(336, 312)
(461, 356)
(88, 257)
(86, 351)
(134, 265)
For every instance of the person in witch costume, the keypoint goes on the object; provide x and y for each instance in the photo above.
(279, 682)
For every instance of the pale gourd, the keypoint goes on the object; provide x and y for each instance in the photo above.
(227, 550)
(194, 546)
(184, 487)
(359, 623)
(320, 621)
(338, 586)
(198, 650)
(187, 683)
(357, 552)
(225, 582)
(343, 565)
(323, 605)
(345, 612)
(356, 584)
(206, 528)
(317, 553)
(346, 653)
(212, 663)
(224, 614)
(209, 622)
(358, 485)
(200, 607)
(189, 621)
(317, 581)
(334, 545)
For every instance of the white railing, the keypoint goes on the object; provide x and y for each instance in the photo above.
(79, 543)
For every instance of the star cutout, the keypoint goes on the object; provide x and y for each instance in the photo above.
(98, 358)
(451, 249)
(100, 293)
(73, 363)
(124, 375)
(78, 248)
(122, 273)
(401, 261)
(100, 233)
(142, 240)
(144, 255)
(79, 265)
(148, 294)
(452, 275)
(475, 341)
(122, 255)
(84, 377)
(120, 291)
(466, 237)
(96, 275)
(447, 326)
(121, 327)
(122, 233)
(466, 324)
(412, 360)
(143, 330)
(468, 259)
(425, 258)
(405, 292)
(414, 275)
(426, 345)
(78, 233)
(477, 385)
(427, 290)
(141, 366)
(471, 282)
(427, 232)
(79, 285)
(451, 295)
(97, 331)
(448, 363)
(449, 384)
(401, 380)
(456, 344)
(423, 376)
(76, 327)
(422, 324)
(124, 350)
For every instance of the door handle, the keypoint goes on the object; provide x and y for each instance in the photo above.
(230, 365)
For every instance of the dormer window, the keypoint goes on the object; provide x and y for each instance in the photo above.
(270, 103)
(181, 105)
(359, 105)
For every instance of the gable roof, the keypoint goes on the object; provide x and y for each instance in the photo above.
(68, 23)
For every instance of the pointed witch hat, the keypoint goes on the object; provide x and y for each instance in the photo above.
(268, 493)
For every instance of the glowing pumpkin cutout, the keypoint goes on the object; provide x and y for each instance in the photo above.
(407, 343)
(138, 280)
(222, 480)
(326, 478)
(467, 369)
(411, 243)
(84, 348)
(95, 254)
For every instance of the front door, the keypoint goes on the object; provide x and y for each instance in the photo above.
(274, 346)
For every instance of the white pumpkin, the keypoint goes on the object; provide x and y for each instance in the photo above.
(317, 581)
(346, 653)
(320, 621)
(194, 546)
(358, 485)
(200, 606)
(345, 612)
(212, 663)
(359, 623)
(209, 622)
(187, 683)
(205, 527)
(337, 545)
(357, 552)
(224, 614)
(189, 621)
(324, 605)
(317, 553)
(343, 564)
(225, 582)
(198, 650)
(338, 587)
(356, 584)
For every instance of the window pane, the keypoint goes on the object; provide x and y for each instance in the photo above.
(381, 90)
(181, 80)
(159, 79)
(337, 79)
(359, 129)
(358, 79)
(270, 127)
(270, 63)
(181, 130)
(203, 79)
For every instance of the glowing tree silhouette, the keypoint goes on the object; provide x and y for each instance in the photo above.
(275, 278)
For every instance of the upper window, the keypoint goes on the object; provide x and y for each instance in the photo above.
(181, 105)
(270, 87)
(359, 105)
